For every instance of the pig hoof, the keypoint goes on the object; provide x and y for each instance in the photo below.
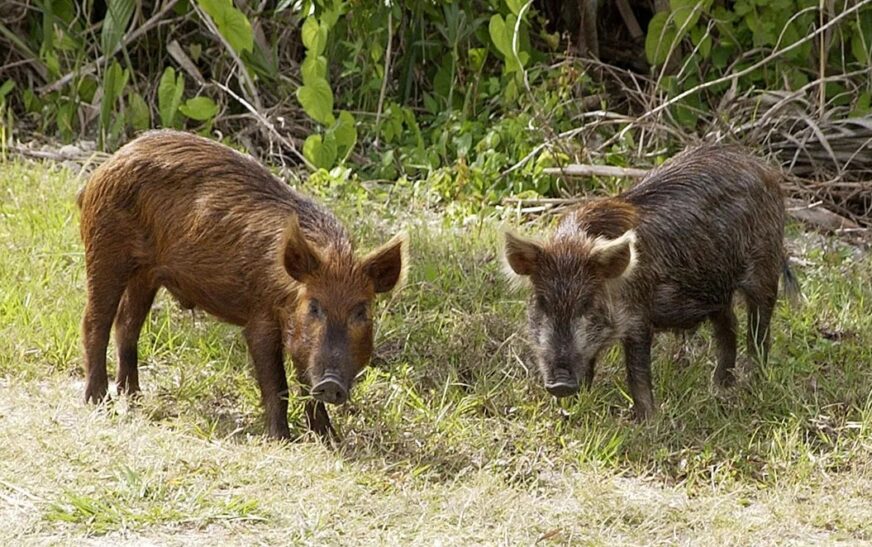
(96, 394)
(725, 378)
(562, 389)
(642, 414)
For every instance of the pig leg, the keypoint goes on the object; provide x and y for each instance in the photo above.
(265, 346)
(132, 312)
(317, 418)
(105, 287)
(637, 355)
(759, 315)
(724, 325)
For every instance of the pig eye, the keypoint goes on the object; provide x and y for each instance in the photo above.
(360, 313)
(315, 308)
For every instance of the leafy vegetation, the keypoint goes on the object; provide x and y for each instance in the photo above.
(449, 434)
(475, 96)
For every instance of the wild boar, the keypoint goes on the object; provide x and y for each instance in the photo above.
(667, 254)
(221, 233)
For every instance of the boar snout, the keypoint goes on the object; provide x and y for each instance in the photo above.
(331, 389)
(561, 381)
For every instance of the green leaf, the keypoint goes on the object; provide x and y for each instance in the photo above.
(477, 57)
(330, 13)
(702, 39)
(314, 68)
(515, 6)
(118, 15)
(314, 36)
(199, 108)
(65, 115)
(169, 96)
(6, 88)
(862, 106)
(114, 80)
(320, 151)
(87, 88)
(861, 37)
(501, 33)
(345, 133)
(497, 29)
(316, 99)
(32, 102)
(138, 112)
(232, 23)
(686, 13)
(661, 35)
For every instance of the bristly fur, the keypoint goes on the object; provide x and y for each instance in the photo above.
(221, 233)
(674, 251)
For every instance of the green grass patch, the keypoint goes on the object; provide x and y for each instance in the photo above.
(451, 413)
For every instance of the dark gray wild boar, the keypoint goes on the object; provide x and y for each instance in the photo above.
(221, 233)
(669, 253)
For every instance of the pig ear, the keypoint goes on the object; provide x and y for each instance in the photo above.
(387, 265)
(299, 259)
(615, 257)
(521, 255)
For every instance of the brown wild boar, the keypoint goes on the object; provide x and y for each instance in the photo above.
(221, 233)
(667, 254)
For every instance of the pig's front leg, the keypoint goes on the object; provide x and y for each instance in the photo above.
(265, 346)
(637, 354)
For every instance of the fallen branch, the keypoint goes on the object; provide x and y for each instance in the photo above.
(814, 214)
(60, 155)
(178, 54)
(579, 170)
(809, 213)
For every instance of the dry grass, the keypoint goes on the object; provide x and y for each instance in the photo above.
(121, 477)
(448, 439)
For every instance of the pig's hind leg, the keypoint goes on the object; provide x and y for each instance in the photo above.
(724, 327)
(107, 278)
(132, 311)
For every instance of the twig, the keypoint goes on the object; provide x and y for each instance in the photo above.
(818, 216)
(603, 114)
(56, 155)
(629, 19)
(176, 52)
(266, 123)
(244, 77)
(33, 58)
(384, 85)
(733, 76)
(128, 38)
(579, 170)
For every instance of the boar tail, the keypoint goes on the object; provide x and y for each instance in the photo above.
(790, 285)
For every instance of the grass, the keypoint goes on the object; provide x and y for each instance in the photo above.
(449, 436)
